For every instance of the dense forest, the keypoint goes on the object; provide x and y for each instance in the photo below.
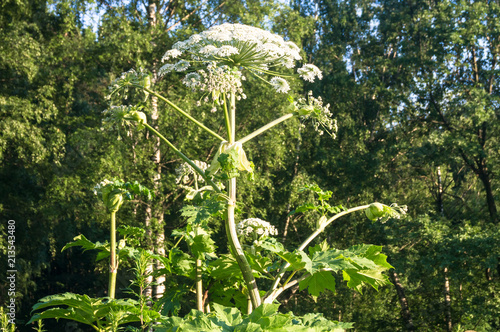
(412, 85)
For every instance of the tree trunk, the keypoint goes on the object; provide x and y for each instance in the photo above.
(405, 309)
(440, 192)
(490, 199)
(159, 236)
(447, 301)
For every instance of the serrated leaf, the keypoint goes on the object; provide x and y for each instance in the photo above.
(318, 282)
(304, 207)
(225, 267)
(332, 259)
(62, 313)
(259, 264)
(248, 327)
(202, 244)
(374, 253)
(298, 260)
(275, 247)
(320, 323)
(265, 309)
(82, 241)
(355, 279)
(230, 316)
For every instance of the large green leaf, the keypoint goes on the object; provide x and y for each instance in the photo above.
(82, 241)
(318, 282)
(226, 267)
(230, 316)
(298, 260)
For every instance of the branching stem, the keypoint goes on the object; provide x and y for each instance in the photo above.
(232, 236)
(185, 158)
(183, 113)
(274, 291)
(265, 128)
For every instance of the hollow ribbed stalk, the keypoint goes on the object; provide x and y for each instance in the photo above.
(199, 286)
(232, 236)
(113, 266)
(228, 121)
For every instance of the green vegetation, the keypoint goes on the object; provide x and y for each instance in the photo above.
(413, 88)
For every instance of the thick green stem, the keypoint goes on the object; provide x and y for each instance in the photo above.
(266, 127)
(232, 236)
(199, 286)
(227, 118)
(274, 292)
(113, 266)
(183, 113)
(183, 157)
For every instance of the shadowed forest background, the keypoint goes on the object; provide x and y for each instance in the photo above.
(413, 85)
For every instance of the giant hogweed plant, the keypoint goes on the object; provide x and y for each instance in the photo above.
(258, 268)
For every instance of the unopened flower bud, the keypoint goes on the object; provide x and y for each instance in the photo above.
(114, 200)
(375, 211)
(140, 117)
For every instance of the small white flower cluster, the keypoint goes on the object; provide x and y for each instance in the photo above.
(216, 80)
(309, 72)
(257, 226)
(397, 211)
(280, 84)
(320, 115)
(184, 172)
(98, 187)
(228, 48)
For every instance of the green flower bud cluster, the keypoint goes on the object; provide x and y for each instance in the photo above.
(312, 108)
(124, 115)
(113, 193)
(230, 158)
(128, 79)
(381, 212)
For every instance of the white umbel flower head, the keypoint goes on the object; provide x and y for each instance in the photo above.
(221, 54)
(255, 226)
(280, 84)
(171, 54)
(309, 72)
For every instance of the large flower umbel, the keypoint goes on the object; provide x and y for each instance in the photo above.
(226, 50)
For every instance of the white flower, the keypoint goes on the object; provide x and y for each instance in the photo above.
(165, 69)
(308, 72)
(182, 65)
(258, 226)
(227, 50)
(208, 50)
(180, 45)
(192, 80)
(280, 84)
(171, 54)
(321, 116)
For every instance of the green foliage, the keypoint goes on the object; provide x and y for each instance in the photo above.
(263, 318)
(103, 314)
(323, 198)
(5, 322)
(413, 88)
